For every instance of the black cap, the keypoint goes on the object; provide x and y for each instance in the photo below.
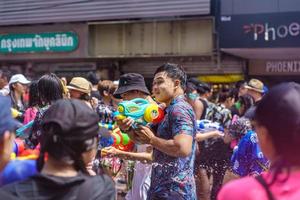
(76, 120)
(131, 81)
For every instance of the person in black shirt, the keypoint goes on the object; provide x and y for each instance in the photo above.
(68, 142)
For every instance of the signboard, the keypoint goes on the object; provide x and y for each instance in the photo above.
(38, 42)
(276, 67)
(260, 30)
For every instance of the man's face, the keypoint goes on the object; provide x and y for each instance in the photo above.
(20, 88)
(129, 95)
(242, 91)
(163, 87)
(74, 94)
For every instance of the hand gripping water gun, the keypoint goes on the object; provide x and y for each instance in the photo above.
(140, 110)
(118, 140)
(207, 125)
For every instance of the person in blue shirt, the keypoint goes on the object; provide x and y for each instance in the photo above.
(8, 125)
(247, 158)
(173, 139)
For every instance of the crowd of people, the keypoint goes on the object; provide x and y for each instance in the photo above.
(243, 144)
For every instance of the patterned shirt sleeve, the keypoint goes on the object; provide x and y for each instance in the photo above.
(182, 120)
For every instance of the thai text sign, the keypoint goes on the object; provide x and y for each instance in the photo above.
(38, 42)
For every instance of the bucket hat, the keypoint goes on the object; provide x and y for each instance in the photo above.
(256, 85)
(131, 81)
(80, 84)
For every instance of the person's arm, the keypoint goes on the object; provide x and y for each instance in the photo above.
(6, 146)
(179, 146)
(141, 156)
(181, 133)
(198, 109)
(203, 136)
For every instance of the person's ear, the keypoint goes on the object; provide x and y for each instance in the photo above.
(105, 93)
(177, 83)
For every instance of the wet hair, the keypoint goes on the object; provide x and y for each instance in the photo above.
(174, 71)
(225, 94)
(85, 97)
(194, 80)
(104, 85)
(33, 94)
(50, 89)
(240, 83)
(246, 100)
(91, 76)
(68, 129)
(190, 87)
(203, 88)
(279, 113)
(112, 89)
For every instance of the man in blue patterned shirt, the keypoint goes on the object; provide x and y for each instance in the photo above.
(172, 139)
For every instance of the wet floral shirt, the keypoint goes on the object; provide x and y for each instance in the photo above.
(173, 177)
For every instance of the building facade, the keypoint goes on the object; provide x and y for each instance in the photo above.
(111, 37)
(266, 34)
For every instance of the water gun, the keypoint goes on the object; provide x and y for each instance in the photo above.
(207, 125)
(140, 110)
(118, 140)
(21, 131)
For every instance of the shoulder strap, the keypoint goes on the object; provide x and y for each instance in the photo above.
(263, 183)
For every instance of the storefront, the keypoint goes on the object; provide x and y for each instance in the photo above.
(111, 38)
(275, 71)
(267, 38)
(143, 46)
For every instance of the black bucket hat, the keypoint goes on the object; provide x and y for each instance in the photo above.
(131, 81)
